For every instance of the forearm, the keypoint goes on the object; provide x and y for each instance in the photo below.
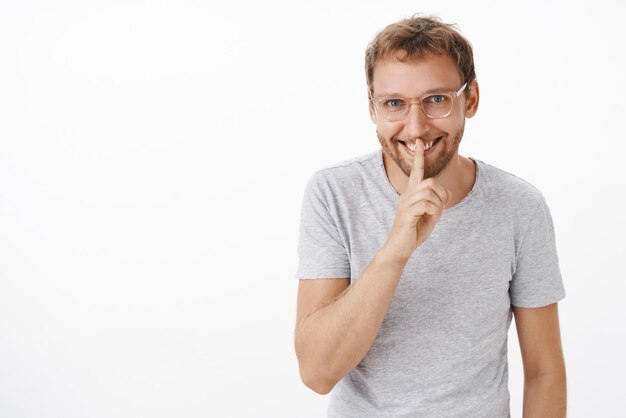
(545, 396)
(332, 340)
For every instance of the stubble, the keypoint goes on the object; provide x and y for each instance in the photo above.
(448, 148)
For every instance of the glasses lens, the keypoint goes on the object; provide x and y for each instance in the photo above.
(392, 109)
(437, 105)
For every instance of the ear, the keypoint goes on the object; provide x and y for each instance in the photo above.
(373, 117)
(471, 104)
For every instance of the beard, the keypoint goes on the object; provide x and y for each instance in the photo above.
(433, 165)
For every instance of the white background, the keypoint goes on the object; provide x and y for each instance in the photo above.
(153, 157)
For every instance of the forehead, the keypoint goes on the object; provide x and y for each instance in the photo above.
(413, 78)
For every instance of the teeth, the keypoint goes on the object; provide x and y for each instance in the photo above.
(413, 145)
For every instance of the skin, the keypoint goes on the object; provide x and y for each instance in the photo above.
(412, 79)
(337, 323)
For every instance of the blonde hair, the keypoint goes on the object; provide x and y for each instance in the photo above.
(416, 37)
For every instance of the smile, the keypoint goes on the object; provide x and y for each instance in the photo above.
(429, 150)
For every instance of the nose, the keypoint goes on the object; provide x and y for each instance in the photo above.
(416, 122)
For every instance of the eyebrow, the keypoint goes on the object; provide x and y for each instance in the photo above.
(435, 90)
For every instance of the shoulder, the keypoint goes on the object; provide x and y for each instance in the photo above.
(509, 189)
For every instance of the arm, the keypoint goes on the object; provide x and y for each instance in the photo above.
(545, 392)
(337, 323)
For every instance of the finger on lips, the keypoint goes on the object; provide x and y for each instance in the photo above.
(417, 174)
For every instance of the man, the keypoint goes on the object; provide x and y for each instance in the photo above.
(413, 258)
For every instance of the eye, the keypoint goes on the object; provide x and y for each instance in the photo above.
(394, 103)
(437, 99)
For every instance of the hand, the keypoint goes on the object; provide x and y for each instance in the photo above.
(418, 211)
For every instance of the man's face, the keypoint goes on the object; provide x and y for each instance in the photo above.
(412, 79)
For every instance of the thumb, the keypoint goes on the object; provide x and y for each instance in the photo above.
(448, 197)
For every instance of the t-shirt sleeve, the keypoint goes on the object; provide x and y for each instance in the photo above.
(537, 279)
(321, 251)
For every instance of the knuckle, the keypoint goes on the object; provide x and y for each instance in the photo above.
(430, 182)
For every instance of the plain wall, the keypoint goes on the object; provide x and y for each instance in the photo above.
(153, 157)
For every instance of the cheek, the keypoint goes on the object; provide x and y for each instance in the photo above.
(388, 131)
(450, 125)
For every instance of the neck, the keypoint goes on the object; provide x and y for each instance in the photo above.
(458, 177)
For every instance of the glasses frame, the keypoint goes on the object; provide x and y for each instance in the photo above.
(418, 101)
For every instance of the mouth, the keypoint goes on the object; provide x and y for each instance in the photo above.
(428, 150)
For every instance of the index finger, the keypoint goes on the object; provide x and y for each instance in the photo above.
(417, 173)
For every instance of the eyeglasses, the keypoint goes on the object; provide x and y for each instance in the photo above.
(434, 105)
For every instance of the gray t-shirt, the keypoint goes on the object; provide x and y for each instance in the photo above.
(442, 347)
